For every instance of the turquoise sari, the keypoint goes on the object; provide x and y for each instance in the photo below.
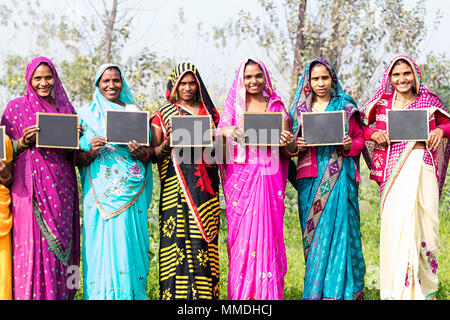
(117, 190)
(328, 205)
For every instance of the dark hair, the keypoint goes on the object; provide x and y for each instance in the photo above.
(43, 63)
(110, 68)
(315, 63)
(250, 61)
(399, 62)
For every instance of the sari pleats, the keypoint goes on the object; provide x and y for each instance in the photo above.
(189, 211)
(410, 233)
(335, 265)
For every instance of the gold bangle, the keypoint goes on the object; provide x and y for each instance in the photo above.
(293, 153)
(23, 145)
(163, 148)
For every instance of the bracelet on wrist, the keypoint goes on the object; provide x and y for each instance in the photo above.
(292, 153)
(22, 143)
(163, 148)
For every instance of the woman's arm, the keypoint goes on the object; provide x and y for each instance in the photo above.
(84, 158)
(160, 147)
(442, 130)
(6, 176)
(355, 138)
(289, 147)
(28, 138)
(143, 153)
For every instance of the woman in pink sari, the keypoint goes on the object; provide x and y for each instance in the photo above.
(254, 182)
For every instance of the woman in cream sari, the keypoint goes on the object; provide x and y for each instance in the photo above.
(411, 176)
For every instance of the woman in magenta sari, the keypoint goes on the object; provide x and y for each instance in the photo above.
(254, 182)
(44, 194)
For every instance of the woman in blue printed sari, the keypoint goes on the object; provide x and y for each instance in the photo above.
(117, 189)
(327, 188)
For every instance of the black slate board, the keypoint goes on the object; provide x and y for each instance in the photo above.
(124, 126)
(407, 125)
(323, 128)
(191, 131)
(262, 128)
(57, 130)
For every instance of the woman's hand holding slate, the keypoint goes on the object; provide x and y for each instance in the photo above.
(381, 138)
(434, 138)
(29, 135)
(348, 142)
(97, 143)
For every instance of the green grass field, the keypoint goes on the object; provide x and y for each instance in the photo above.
(370, 222)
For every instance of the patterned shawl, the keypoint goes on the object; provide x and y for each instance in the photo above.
(385, 163)
(302, 103)
(40, 173)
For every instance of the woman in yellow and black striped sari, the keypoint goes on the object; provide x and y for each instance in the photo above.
(189, 205)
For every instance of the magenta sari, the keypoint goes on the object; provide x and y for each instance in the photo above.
(44, 196)
(254, 188)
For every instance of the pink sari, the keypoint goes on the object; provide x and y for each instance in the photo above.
(254, 188)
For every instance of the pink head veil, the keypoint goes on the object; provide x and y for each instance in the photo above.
(234, 106)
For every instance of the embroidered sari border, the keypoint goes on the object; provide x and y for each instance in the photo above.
(326, 186)
(118, 211)
(53, 242)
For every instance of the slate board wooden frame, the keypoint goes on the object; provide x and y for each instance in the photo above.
(39, 122)
(340, 127)
(419, 126)
(192, 117)
(145, 141)
(274, 114)
(2, 143)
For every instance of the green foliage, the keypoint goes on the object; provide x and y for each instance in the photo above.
(83, 48)
(355, 36)
(436, 72)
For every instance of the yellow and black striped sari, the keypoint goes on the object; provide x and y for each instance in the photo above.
(189, 211)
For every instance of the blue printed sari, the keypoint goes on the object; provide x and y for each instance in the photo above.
(328, 205)
(117, 190)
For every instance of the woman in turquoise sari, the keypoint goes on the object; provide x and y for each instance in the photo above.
(327, 188)
(117, 188)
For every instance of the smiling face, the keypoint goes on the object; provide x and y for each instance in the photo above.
(320, 81)
(43, 81)
(254, 79)
(187, 88)
(402, 78)
(110, 84)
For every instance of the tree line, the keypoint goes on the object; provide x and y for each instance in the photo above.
(358, 37)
